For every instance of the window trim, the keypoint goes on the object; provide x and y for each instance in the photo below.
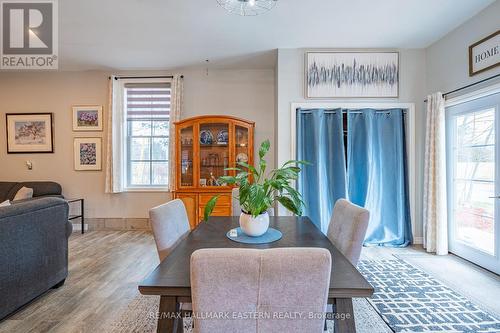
(125, 139)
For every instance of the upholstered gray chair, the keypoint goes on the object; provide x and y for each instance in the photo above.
(347, 229)
(170, 224)
(236, 207)
(264, 282)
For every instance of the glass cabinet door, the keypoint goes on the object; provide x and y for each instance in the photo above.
(242, 153)
(214, 152)
(186, 154)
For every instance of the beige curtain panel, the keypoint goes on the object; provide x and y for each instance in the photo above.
(115, 149)
(435, 203)
(176, 105)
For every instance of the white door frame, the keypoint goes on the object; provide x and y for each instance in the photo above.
(470, 253)
(410, 139)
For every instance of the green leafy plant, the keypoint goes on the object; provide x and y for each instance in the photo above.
(259, 191)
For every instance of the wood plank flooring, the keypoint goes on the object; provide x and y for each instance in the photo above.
(105, 268)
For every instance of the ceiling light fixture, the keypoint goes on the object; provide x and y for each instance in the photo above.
(247, 7)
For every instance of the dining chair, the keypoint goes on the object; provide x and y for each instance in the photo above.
(347, 229)
(255, 287)
(170, 225)
(236, 207)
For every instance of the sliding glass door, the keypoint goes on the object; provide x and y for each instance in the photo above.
(473, 133)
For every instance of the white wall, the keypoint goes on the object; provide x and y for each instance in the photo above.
(447, 59)
(245, 93)
(290, 89)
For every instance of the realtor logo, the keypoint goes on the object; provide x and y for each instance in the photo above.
(29, 34)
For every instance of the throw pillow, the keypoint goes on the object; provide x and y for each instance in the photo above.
(5, 203)
(24, 193)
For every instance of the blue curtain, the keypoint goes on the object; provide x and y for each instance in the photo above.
(376, 174)
(320, 141)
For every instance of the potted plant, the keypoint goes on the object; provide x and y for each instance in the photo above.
(259, 191)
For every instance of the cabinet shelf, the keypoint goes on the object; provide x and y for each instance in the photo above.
(188, 147)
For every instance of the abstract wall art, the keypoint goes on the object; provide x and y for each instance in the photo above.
(352, 74)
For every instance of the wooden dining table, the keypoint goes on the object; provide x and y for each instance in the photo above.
(171, 278)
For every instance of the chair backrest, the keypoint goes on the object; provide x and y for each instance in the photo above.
(236, 207)
(263, 282)
(347, 229)
(170, 224)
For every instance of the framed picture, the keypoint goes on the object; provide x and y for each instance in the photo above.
(87, 153)
(87, 118)
(484, 54)
(352, 74)
(29, 133)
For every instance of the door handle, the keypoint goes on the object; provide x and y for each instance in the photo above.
(495, 197)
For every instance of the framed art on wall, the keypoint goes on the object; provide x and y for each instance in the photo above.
(351, 74)
(87, 118)
(87, 154)
(29, 133)
(484, 54)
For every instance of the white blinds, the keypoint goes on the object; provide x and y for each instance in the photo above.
(148, 101)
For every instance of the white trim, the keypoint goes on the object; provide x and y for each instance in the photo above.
(410, 143)
(147, 189)
(77, 227)
(490, 90)
(124, 137)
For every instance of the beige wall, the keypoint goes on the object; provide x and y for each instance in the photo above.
(448, 59)
(248, 94)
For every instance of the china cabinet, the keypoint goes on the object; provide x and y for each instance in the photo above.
(205, 147)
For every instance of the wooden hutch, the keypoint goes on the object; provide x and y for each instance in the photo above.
(205, 146)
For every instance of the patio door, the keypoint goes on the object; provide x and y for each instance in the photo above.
(473, 162)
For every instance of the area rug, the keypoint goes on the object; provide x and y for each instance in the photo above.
(410, 300)
(475, 283)
(139, 317)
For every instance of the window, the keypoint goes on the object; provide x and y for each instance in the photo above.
(147, 107)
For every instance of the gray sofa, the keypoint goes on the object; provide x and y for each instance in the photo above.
(33, 250)
(8, 190)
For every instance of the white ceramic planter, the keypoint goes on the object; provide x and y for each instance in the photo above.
(254, 226)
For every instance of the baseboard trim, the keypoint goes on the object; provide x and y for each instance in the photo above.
(118, 224)
(77, 227)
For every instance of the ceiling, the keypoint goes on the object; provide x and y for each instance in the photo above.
(165, 34)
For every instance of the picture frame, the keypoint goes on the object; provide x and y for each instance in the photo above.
(344, 74)
(484, 54)
(87, 154)
(87, 118)
(29, 133)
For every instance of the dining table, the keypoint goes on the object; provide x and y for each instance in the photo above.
(171, 278)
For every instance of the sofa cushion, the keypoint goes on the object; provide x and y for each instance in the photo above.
(44, 188)
(23, 194)
(5, 190)
(8, 190)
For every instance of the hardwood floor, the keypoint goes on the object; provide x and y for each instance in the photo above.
(106, 267)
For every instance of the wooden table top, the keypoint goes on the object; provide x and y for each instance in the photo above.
(172, 276)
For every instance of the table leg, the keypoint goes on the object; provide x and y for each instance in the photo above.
(83, 216)
(166, 315)
(344, 316)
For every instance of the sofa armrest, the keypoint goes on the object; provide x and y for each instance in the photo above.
(33, 250)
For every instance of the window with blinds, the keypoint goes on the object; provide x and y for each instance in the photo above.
(147, 112)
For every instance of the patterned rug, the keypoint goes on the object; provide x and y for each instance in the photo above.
(139, 317)
(410, 300)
